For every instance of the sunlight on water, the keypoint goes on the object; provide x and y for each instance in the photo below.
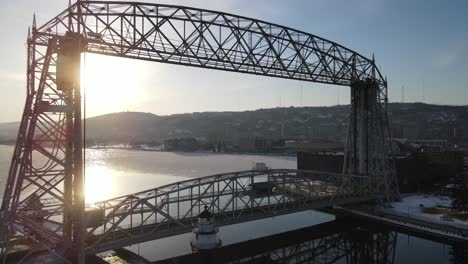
(99, 183)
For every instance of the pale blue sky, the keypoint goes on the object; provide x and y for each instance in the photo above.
(422, 45)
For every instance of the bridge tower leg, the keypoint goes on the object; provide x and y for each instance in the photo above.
(368, 148)
(68, 80)
(44, 194)
(363, 97)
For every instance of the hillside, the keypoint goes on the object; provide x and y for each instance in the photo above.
(411, 120)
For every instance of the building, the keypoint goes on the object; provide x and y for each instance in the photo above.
(415, 172)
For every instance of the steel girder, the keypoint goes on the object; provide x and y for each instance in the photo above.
(47, 154)
(209, 39)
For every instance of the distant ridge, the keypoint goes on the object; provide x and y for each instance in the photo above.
(407, 119)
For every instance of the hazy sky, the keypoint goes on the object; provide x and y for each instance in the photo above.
(421, 44)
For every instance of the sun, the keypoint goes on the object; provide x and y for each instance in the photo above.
(111, 84)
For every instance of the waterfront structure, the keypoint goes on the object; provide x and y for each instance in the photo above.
(206, 235)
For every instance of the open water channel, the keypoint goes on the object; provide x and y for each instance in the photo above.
(113, 172)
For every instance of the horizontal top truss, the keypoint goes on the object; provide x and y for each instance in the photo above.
(208, 39)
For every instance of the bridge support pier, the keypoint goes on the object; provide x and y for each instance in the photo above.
(68, 81)
(361, 135)
(368, 142)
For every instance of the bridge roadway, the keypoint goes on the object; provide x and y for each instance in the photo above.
(233, 197)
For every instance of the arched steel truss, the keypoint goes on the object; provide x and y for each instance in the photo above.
(46, 169)
(233, 197)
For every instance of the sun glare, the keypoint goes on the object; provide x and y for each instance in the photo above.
(99, 184)
(111, 84)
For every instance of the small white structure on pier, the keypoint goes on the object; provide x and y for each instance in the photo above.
(206, 235)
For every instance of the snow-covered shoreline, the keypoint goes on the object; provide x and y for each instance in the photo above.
(413, 206)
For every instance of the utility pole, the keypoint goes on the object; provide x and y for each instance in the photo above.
(300, 97)
(403, 94)
(423, 92)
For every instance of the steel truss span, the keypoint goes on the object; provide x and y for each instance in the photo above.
(44, 201)
(209, 39)
(233, 197)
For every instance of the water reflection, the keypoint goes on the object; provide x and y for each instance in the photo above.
(99, 183)
(333, 242)
(343, 241)
(103, 181)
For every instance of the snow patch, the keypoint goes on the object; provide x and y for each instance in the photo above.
(414, 205)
